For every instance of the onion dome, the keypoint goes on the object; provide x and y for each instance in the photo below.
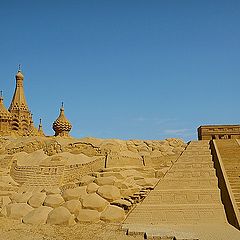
(61, 125)
(4, 113)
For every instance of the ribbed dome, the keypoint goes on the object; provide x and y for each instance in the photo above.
(19, 75)
(61, 125)
(4, 113)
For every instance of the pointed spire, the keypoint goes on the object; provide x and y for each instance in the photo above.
(40, 129)
(62, 108)
(1, 96)
(5, 118)
(22, 123)
(40, 125)
(19, 101)
(4, 113)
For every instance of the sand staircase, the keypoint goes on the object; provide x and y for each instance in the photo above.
(229, 151)
(187, 195)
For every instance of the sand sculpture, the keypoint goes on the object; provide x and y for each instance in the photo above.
(134, 189)
(210, 132)
(77, 178)
(61, 125)
(18, 121)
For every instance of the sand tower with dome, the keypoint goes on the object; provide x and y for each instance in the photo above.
(61, 125)
(18, 121)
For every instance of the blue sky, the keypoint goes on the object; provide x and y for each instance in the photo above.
(124, 69)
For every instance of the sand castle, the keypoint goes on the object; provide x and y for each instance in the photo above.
(18, 121)
(133, 189)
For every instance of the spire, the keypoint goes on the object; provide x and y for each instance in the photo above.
(1, 96)
(5, 118)
(19, 102)
(4, 113)
(62, 115)
(40, 128)
(22, 123)
(40, 125)
(62, 111)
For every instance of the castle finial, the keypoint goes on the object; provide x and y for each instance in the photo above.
(1, 94)
(19, 67)
(40, 128)
(62, 108)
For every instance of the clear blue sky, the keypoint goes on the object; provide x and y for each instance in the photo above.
(125, 69)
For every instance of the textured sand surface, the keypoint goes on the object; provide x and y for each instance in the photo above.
(14, 230)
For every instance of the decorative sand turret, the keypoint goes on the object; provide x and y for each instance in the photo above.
(5, 118)
(61, 125)
(22, 122)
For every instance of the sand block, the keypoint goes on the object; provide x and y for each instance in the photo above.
(60, 216)
(21, 197)
(109, 192)
(73, 206)
(54, 200)
(18, 210)
(95, 202)
(92, 188)
(74, 193)
(88, 215)
(113, 214)
(38, 215)
(37, 199)
(105, 180)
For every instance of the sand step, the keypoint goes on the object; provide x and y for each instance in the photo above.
(185, 196)
(188, 193)
(193, 166)
(188, 183)
(177, 213)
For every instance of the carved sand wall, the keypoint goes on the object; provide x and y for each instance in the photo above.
(53, 175)
(73, 172)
